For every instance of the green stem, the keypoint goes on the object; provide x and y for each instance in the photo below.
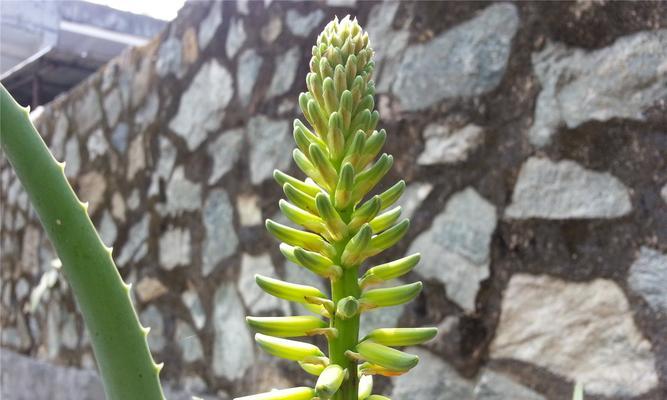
(348, 329)
(119, 341)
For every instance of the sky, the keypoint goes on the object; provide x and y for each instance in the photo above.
(161, 9)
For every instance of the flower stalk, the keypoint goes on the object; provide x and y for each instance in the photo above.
(338, 149)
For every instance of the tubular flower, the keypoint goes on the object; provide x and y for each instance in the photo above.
(338, 148)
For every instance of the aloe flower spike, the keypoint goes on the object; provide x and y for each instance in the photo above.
(342, 223)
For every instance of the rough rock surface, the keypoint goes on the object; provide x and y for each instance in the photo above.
(606, 351)
(225, 151)
(565, 189)
(221, 239)
(455, 250)
(175, 248)
(444, 145)
(232, 349)
(619, 81)
(203, 104)
(466, 61)
(269, 142)
(648, 278)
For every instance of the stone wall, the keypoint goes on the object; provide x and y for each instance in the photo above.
(533, 140)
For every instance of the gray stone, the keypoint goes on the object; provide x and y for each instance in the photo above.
(663, 193)
(431, 379)
(232, 346)
(134, 200)
(495, 386)
(149, 289)
(135, 239)
(270, 147)
(32, 379)
(30, 246)
(20, 221)
(175, 248)
(465, 61)
(186, 337)
(203, 104)
(85, 111)
(53, 337)
(455, 250)
(303, 25)
(648, 278)
(69, 333)
(147, 114)
(182, 194)
(255, 299)
(119, 137)
(22, 289)
(151, 318)
(565, 189)
(72, 157)
(583, 331)
(444, 145)
(249, 65)
(191, 300)
(107, 229)
(225, 151)
(341, 3)
(221, 240)
(97, 144)
(287, 65)
(167, 158)
(169, 58)
(249, 212)
(618, 81)
(210, 24)
(388, 43)
(235, 37)
(59, 135)
(412, 198)
(271, 30)
(113, 106)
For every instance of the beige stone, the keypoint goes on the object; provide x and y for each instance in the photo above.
(91, 189)
(150, 289)
(136, 158)
(249, 212)
(583, 331)
(189, 46)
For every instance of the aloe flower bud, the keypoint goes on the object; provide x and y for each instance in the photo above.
(299, 393)
(287, 349)
(329, 381)
(343, 221)
(401, 336)
(365, 386)
(394, 269)
(347, 307)
(388, 297)
(286, 326)
(386, 357)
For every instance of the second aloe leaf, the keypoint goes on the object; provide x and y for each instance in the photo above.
(338, 152)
